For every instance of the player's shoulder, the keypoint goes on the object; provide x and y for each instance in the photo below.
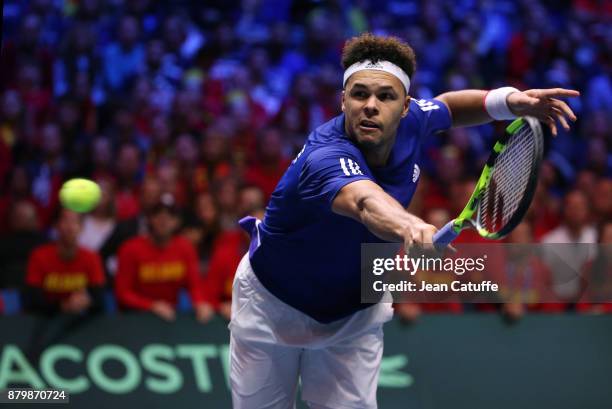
(324, 151)
(328, 140)
(424, 106)
(343, 156)
(426, 116)
(329, 136)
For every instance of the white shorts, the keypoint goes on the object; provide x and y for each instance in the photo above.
(273, 345)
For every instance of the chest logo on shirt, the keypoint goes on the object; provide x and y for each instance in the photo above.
(161, 272)
(425, 105)
(353, 166)
(63, 283)
(415, 173)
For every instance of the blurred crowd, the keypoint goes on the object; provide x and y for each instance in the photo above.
(187, 113)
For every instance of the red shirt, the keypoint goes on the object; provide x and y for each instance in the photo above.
(149, 273)
(265, 178)
(59, 278)
(228, 250)
(127, 204)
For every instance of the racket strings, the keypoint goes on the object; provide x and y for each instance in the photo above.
(509, 180)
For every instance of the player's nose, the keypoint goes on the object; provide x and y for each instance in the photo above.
(371, 105)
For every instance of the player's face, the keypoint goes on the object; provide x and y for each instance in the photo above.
(373, 103)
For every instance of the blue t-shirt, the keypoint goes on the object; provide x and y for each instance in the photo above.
(307, 255)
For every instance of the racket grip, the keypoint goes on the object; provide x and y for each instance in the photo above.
(445, 235)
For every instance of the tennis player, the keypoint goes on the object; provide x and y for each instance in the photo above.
(296, 311)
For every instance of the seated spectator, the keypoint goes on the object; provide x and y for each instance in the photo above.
(228, 250)
(100, 223)
(16, 188)
(598, 275)
(270, 166)
(153, 267)
(524, 280)
(123, 58)
(564, 261)
(63, 277)
(128, 167)
(47, 172)
(15, 247)
(602, 200)
(150, 193)
(201, 227)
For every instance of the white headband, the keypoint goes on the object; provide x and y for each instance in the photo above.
(385, 66)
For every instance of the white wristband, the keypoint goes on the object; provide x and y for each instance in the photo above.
(496, 105)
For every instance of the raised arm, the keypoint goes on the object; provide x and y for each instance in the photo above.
(475, 107)
(384, 216)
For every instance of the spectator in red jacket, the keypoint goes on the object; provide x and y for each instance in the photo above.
(269, 168)
(227, 251)
(155, 266)
(63, 277)
(525, 281)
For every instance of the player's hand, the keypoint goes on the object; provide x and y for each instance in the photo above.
(204, 312)
(419, 233)
(225, 309)
(163, 310)
(545, 105)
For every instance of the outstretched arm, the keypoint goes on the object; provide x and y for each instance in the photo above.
(384, 216)
(468, 107)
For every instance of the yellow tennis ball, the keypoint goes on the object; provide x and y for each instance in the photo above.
(80, 195)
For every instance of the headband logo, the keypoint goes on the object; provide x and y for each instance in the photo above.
(380, 65)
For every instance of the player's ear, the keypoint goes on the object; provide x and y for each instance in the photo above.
(406, 106)
(342, 100)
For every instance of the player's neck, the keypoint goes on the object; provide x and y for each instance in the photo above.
(378, 156)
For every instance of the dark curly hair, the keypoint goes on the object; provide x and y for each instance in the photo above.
(376, 48)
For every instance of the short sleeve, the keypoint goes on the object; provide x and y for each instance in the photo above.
(326, 170)
(433, 116)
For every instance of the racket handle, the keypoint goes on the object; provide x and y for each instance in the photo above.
(445, 235)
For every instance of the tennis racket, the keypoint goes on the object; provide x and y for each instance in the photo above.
(506, 186)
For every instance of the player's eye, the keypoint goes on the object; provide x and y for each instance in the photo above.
(359, 94)
(386, 96)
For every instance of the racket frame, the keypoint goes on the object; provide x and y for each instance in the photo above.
(466, 217)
